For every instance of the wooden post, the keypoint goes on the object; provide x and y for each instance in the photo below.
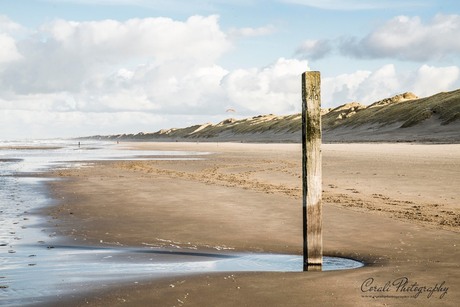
(311, 171)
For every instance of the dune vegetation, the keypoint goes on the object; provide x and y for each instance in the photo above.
(402, 118)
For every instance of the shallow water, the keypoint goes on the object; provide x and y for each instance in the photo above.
(34, 268)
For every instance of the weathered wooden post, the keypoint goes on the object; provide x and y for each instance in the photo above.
(311, 171)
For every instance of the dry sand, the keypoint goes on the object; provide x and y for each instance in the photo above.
(393, 206)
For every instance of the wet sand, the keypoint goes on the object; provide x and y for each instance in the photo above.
(393, 206)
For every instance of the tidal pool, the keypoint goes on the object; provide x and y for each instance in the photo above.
(40, 272)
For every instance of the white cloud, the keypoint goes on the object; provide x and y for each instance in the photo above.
(77, 72)
(273, 89)
(66, 56)
(9, 26)
(81, 78)
(28, 124)
(160, 38)
(342, 88)
(251, 32)
(101, 75)
(314, 49)
(8, 50)
(370, 86)
(429, 80)
(408, 38)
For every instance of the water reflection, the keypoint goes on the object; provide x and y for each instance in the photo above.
(69, 269)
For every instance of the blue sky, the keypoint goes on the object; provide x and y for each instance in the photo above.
(85, 67)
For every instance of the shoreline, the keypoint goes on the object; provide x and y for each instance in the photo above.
(264, 177)
(294, 140)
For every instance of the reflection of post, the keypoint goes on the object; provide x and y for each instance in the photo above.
(311, 171)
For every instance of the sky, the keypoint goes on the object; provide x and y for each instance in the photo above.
(73, 68)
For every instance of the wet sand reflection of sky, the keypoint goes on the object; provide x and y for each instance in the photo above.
(35, 268)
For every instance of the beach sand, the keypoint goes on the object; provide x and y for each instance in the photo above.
(393, 206)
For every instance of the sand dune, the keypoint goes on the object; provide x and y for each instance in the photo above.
(402, 118)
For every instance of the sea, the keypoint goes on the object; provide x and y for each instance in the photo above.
(36, 268)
